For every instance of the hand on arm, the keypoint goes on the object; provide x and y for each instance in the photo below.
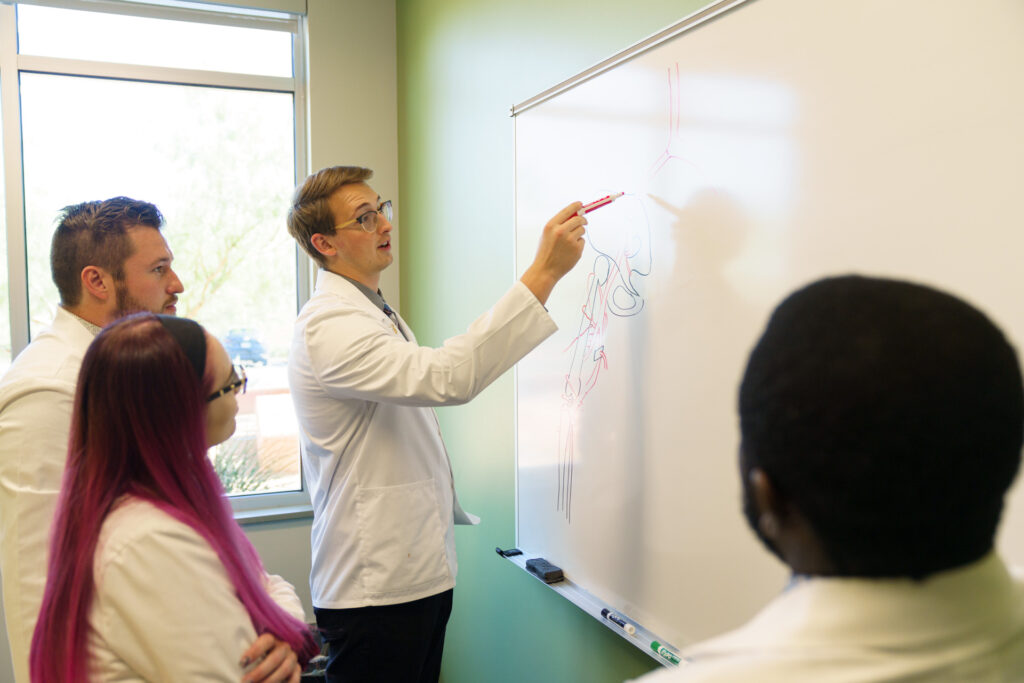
(268, 659)
(166, 608)
(272, 661)
(561, 245)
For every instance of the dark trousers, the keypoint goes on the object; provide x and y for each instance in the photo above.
(390, 644)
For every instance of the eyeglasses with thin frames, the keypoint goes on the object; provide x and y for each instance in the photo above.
(368, 220)
(236, 384)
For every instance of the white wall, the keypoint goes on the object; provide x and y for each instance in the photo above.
(352, 121)
(353, 101)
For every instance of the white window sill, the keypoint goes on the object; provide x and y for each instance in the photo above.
(274, 514)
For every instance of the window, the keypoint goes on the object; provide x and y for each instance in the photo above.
(152, 41)
(198, 112)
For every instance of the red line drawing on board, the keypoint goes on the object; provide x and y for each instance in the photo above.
(612, 291)
(675, 101)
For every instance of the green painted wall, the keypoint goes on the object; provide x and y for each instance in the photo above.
(462, 64)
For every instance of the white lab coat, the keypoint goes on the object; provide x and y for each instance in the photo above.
(374, 460)
(36, 399)
(965, 624)
(164, 607)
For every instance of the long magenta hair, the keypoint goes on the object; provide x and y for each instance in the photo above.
(138, 428)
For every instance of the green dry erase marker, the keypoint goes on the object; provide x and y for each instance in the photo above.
(664, 652)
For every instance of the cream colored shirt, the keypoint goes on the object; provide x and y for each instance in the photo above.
(959, 626)
(36, 399)
(165, 608)
(378, 473)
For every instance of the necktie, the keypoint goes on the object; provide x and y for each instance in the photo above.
(390, 312)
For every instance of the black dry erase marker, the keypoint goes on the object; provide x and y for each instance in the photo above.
(616, 619)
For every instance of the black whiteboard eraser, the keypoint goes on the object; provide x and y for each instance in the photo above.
(511, 552)
(547, 572)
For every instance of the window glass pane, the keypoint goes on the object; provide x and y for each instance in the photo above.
(96, 36)
(219, 164)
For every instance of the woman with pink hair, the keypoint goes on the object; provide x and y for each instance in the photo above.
(150, 577)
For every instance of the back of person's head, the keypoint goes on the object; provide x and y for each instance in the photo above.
(95, 234)
(890, 415)
(138, 428)
(310, 213)
(139, 409)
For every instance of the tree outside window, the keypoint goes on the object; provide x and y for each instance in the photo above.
(220, 163)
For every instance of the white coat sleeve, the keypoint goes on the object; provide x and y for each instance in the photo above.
(34, 423)
(356, 354)
(166, 609)
(283, 593)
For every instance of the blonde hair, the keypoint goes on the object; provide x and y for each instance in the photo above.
(310, 213)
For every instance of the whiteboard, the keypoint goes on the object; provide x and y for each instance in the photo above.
(759, 149)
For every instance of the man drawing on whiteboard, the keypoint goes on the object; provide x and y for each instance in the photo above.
(379, 476)
(881, 426)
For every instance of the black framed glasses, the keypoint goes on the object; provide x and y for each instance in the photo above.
(368, 221)
(236, 384)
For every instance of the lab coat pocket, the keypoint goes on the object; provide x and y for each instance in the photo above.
(401, 539)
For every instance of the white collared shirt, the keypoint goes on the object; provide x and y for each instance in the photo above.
(36, 399)
(379, 477)
(165, 608)
(965, 624)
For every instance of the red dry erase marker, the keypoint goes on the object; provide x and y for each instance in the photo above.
(597, 204)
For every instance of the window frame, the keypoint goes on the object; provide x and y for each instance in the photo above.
(277, 15)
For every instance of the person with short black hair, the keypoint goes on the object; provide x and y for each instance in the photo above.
(881, 426)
